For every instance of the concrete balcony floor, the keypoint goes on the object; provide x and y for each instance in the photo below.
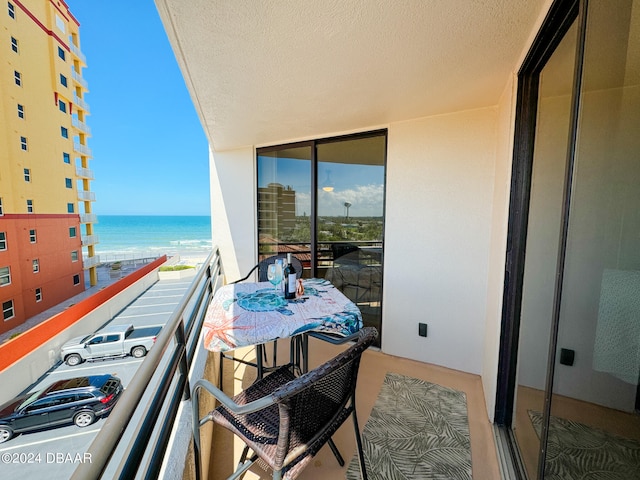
(226, 449)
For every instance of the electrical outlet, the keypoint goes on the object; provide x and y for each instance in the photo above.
(422, 329)
(567, 356)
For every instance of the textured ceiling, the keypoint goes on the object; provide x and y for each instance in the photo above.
(268, 71)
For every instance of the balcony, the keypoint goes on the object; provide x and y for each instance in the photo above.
(84, 173)
(78, 78)
(89, 262)
(80, 125)
(148, 434)
(88, 218)
(76, 51)
(80, 103)
(89, 240)
(86, 196)
(83, 149)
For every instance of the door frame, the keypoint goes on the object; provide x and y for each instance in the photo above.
(559, 19)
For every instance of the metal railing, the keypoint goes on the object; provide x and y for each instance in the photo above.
(88, 218)
(140, 425)
(78, 78)
(76, 51)
(84, 173)
(80, 103)
(86, 196)
(88, 262)
(78, 147)
(80, 125)
(89, 240)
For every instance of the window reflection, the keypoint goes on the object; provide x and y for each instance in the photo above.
(344, 218)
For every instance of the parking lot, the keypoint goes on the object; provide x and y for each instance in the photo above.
(55, 452)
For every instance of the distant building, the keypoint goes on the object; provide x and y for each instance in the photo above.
(45, 197)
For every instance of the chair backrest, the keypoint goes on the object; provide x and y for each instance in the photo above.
(264, 263)
(314, 404)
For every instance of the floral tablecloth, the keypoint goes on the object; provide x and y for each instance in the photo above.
(248, 313)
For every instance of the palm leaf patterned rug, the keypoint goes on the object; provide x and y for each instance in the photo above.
(417, 430)
(577, 451)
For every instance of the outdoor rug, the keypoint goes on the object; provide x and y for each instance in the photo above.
(417, 430)
(577, 451)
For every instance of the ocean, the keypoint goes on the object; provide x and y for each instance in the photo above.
(123, 237)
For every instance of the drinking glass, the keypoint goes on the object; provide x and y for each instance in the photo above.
(274, 274)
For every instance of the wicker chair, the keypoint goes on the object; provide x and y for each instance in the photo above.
(285, 419)
(261, 353)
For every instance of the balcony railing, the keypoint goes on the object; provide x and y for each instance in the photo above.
(89, 262)
(89, 240)
(78, 78)
(135, 440)
(78, 147)
(80, 125)
(86, 196)
(80, 103)
(76, 51)
(88, 218)
(84, 173)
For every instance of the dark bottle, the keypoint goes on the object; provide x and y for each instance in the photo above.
(290, 280)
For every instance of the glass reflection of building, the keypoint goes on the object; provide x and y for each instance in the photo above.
(276, 209)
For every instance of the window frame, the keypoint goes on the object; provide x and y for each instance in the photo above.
(3, 241)
(33, 236)
(17, 78)
(24, 144)
(14, 44)
(76, 279)
(71, 207)
(64, 131)
(38, 294)
(64, 81)
(62, 54)
(73, 232)
(27, 174)
(74, 253)
(20, 110)
(9, 308)
(62, 106)
(11, 10)
(5, 278)
(68, 182)
(66, 157)
(35, 265)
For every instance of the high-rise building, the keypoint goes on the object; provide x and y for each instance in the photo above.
(45, 198)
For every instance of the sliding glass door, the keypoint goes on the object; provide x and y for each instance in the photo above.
(570, 403)
(323, 201)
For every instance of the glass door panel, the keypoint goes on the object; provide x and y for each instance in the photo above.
(543, 236)
(595, 386)
(284, 203)
(350, 198)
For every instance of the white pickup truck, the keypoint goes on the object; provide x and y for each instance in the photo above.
(111, 341)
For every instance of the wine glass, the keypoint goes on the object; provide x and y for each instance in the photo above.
(274, 274)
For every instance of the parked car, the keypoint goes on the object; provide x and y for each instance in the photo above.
(112, 341)
(77, 400)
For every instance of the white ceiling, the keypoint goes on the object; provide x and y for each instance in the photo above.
(264, 72)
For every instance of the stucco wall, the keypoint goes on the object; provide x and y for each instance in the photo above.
(440, 175)
(233, 204)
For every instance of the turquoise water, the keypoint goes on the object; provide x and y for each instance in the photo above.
(137, 236)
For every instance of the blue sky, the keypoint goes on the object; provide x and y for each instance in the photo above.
(150, 154)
